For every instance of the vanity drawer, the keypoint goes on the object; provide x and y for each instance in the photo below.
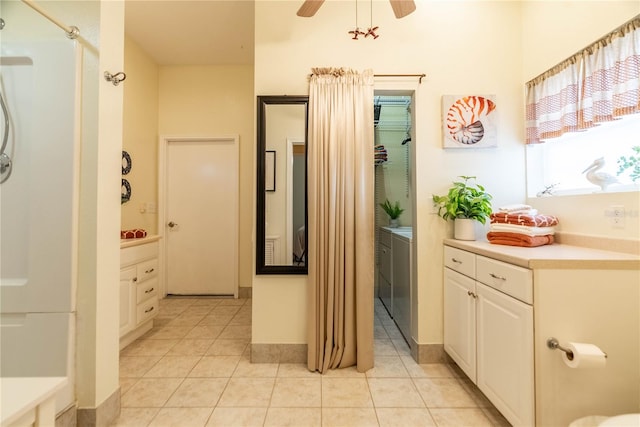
(147, 269)
(147, 310)
(146, 290)
(461, 261)
(507, 278)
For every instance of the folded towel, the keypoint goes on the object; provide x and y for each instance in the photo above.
(135, 233)
(514, 208)
(517, 239)
(539, 220)
(522, 229)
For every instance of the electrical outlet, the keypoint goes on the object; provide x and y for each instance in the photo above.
(617, 216)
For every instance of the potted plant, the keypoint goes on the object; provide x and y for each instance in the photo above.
(632, 163)
(394, 211)
(464, 203)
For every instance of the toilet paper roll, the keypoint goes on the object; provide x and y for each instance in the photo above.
(584, 356)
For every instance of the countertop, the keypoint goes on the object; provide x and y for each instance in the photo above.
(127, 243)
(554, 256)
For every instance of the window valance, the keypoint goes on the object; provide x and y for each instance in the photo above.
(598, 84)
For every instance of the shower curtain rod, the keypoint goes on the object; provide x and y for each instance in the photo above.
(72, 32)
(420, 76)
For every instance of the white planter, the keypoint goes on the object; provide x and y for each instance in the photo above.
(464, 229)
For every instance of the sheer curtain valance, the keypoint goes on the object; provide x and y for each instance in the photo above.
(598, 84)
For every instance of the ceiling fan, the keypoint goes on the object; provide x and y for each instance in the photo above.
(401, 8)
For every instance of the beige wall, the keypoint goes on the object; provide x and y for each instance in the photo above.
(464, 47)
(140, 137)
(469, 60)
(215, 101)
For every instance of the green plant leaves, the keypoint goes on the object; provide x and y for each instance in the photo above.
(394, 211)
(464, 201)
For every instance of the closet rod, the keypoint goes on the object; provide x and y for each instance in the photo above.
(72, 32)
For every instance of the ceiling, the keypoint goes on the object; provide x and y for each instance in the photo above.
(193, 32)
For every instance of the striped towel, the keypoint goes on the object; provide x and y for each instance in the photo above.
(539, 220)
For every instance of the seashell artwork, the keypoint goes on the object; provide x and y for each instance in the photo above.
(469, 121)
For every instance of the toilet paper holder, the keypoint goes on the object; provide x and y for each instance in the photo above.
(554, 344)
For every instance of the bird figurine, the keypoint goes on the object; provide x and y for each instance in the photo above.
(601, 179)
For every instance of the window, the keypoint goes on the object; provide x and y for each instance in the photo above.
(583, 109)
(561, 161)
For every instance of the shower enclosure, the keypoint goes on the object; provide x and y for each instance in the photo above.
(38, 201)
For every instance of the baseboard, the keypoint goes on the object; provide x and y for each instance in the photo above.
(67, 417)
(102, 416)
(428, 353)
(278, 353)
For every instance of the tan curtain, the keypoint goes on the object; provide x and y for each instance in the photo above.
(341, 215)
(598, 84)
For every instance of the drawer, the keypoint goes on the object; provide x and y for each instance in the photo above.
(133, 254)
(147, 269)
(146, 290)
(461, 261)
(385, 237)
(147, 310)
(385, 262)
(507, 278)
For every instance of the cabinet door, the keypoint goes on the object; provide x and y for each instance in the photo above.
(127, 299)
(505, 354)
(460, 321)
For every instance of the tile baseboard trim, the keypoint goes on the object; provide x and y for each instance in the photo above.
(67, 417)
(245, 292)
(428, 353)
(278, 353)
(103, 415)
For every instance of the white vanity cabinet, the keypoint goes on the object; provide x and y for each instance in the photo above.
(488, 329)
(139, 283)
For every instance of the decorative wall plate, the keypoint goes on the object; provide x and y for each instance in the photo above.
(125, 191)
(126, 163)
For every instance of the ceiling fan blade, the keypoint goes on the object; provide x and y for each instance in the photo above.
(402, 8)
(309, 8)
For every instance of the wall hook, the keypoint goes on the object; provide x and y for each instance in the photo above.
(115, 78)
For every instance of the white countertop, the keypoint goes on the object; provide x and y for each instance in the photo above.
(21, 394)
(551, 256)
(126, 243)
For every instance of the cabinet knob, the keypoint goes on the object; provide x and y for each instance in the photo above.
(149, 290)
(471, 294)
(497, 277)
(457, 261)
(172, 224)
(149, 310)
(149, 271)
(135, 279)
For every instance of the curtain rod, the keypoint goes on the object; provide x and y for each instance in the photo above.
(72, 32)
(420, 76)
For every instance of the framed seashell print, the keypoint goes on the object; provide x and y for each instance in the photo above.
(469, 121)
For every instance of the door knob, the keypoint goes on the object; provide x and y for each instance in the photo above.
(171, 224)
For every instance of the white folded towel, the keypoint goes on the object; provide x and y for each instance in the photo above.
(514, 208)
(522, 229)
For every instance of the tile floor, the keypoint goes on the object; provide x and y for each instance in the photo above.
(192, 370)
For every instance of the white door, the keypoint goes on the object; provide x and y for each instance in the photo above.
(201, 216)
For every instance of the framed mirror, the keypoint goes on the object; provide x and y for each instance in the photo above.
(281, 237)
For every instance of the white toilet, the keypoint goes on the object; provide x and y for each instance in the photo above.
(626, 420)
